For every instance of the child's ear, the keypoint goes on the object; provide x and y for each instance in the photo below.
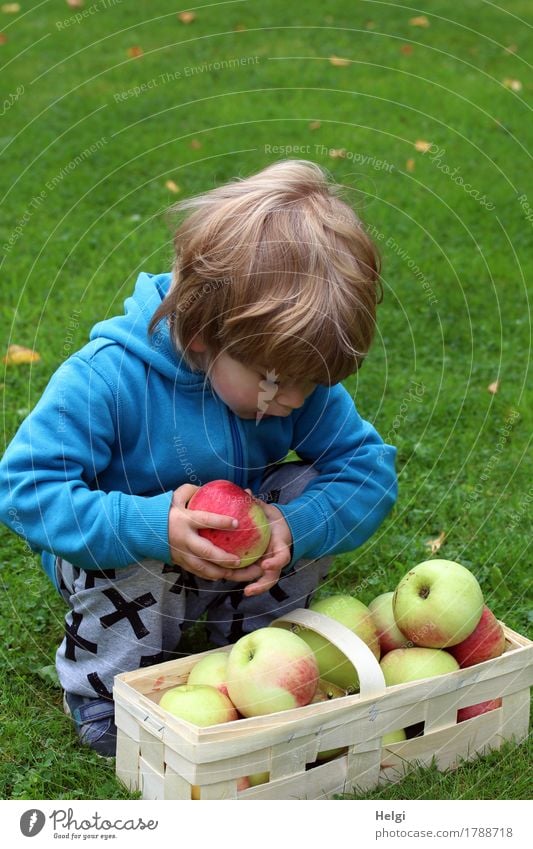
(198, 345)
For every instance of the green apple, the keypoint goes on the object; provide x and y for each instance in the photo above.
(401, 665)
(250, 539)
(394, 737)
(437, 604)
(332, 663)
(271, 670)
(389, 635)
(211, 670)
(201, 705)
(258, 778)
(325, 692)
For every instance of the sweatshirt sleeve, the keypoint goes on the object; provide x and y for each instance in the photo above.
(356, 486)
(47, 474)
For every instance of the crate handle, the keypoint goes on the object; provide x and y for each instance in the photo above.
(371, 679)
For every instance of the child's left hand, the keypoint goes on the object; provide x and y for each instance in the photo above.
(278, 553)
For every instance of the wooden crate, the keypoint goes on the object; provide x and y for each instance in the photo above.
(163, 756)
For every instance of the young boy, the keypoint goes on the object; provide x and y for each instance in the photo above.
(215, 371)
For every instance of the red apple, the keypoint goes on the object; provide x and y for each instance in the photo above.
(390, 636)
(271, 670)
(250, 540)
(476, 710)
(487, 640)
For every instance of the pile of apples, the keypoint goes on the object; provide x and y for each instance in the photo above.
(435, 622)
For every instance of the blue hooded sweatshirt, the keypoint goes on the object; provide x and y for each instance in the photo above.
(89, 475)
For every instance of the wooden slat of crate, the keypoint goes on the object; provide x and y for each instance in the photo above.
(175, 786)
(127, 760)
(240, 765)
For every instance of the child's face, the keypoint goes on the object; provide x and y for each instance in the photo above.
(253, 390)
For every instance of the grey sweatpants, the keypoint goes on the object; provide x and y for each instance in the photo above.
(124, 619)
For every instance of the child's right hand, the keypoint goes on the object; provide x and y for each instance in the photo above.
(196, 554)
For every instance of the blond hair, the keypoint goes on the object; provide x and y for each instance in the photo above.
(274, 269)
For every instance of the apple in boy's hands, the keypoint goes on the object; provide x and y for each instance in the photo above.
(250, 539)
(402, 665)
(271, 670)
(437, 604)
(389, 635)
(486, 641)
(201, 705)
(333, 664)
(211, 670)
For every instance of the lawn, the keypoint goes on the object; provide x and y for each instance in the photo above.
(113, 110)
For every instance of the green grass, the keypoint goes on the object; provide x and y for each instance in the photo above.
(86, 235)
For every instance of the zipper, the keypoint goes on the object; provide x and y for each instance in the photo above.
(237, 446)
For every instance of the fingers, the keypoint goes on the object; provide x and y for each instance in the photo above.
(266, 581)
(205, 550)
(201, 519)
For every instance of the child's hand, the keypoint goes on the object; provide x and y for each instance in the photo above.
(278, 553)
(196, 554)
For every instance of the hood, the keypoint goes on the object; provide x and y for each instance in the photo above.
(131, 330)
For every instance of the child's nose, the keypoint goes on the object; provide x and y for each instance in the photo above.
(293, 397)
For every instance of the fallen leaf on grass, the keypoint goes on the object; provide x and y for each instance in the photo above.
(493, 387)
(75, 4)
(514, 85)
(11, 8)
(239, 28)
(3, 38)
(511, 48)
(17, 354)
(172, 186)
(187, 17)
(422, 146)
(435, 544)
(337, 153)
(406, 49)
(370, 24)
(135, 51)
(314, 125)
(410, 165)
(195, 144)
(339, 62)
(420, 21)
(49, 675)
